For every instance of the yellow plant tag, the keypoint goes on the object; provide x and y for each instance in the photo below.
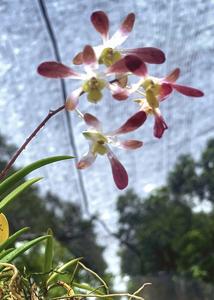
(4, 228)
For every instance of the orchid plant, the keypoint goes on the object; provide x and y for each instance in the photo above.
(109, 66)
(105, 66)
(109, 59)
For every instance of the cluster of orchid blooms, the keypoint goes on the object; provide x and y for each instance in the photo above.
(109, 60)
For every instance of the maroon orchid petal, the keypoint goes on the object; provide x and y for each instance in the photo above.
(118, 67)
(165, 90)
(101, 22)
(118, 171)
(131, 144)
(86, 161)
(188, 91)
(128, 23)
(135, 65)
(88, 55)
(173, 76)
(132, 123)
(129, 63)
(119, 93)
(121, 96)
(148, 54)
(122, 34)
(78, 59)
(92, 121)
(160, 126)
(53, 69)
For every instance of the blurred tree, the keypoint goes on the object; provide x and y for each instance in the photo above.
(206, 165)
(183, 180)
(75, 234)
(168, 235)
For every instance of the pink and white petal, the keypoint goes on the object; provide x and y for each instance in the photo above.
(119, 67)
(135, 65)
(78, 59)
(173, 76)
(101, 23)
(129, 63)
(160, 126)
(88, 56)
(188, 91)
(73, 99)
(119, 93)
(92, 121)
(149, 55)
(130, 144)
(165, 90)
(128, 24)
(131, 124)
(86, 161)
(122, 34)
(53, 69)
(118, 171)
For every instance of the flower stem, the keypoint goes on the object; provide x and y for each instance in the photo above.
(51, 113)
(80, 114)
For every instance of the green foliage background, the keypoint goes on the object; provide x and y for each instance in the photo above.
(75, 236)
(164, 233)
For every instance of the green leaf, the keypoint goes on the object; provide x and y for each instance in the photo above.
(13, 238)
(17, 176)
(63, 268)
(48, 261)
(12, 255)
(10, 197)
(5, 252)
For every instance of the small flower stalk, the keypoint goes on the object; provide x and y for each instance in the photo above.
(109, 66)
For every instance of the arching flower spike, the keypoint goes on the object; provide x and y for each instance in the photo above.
(99, 143)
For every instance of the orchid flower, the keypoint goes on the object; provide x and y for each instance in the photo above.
(99, 143)
(93, 82)
(156, 90)
(108, 53)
